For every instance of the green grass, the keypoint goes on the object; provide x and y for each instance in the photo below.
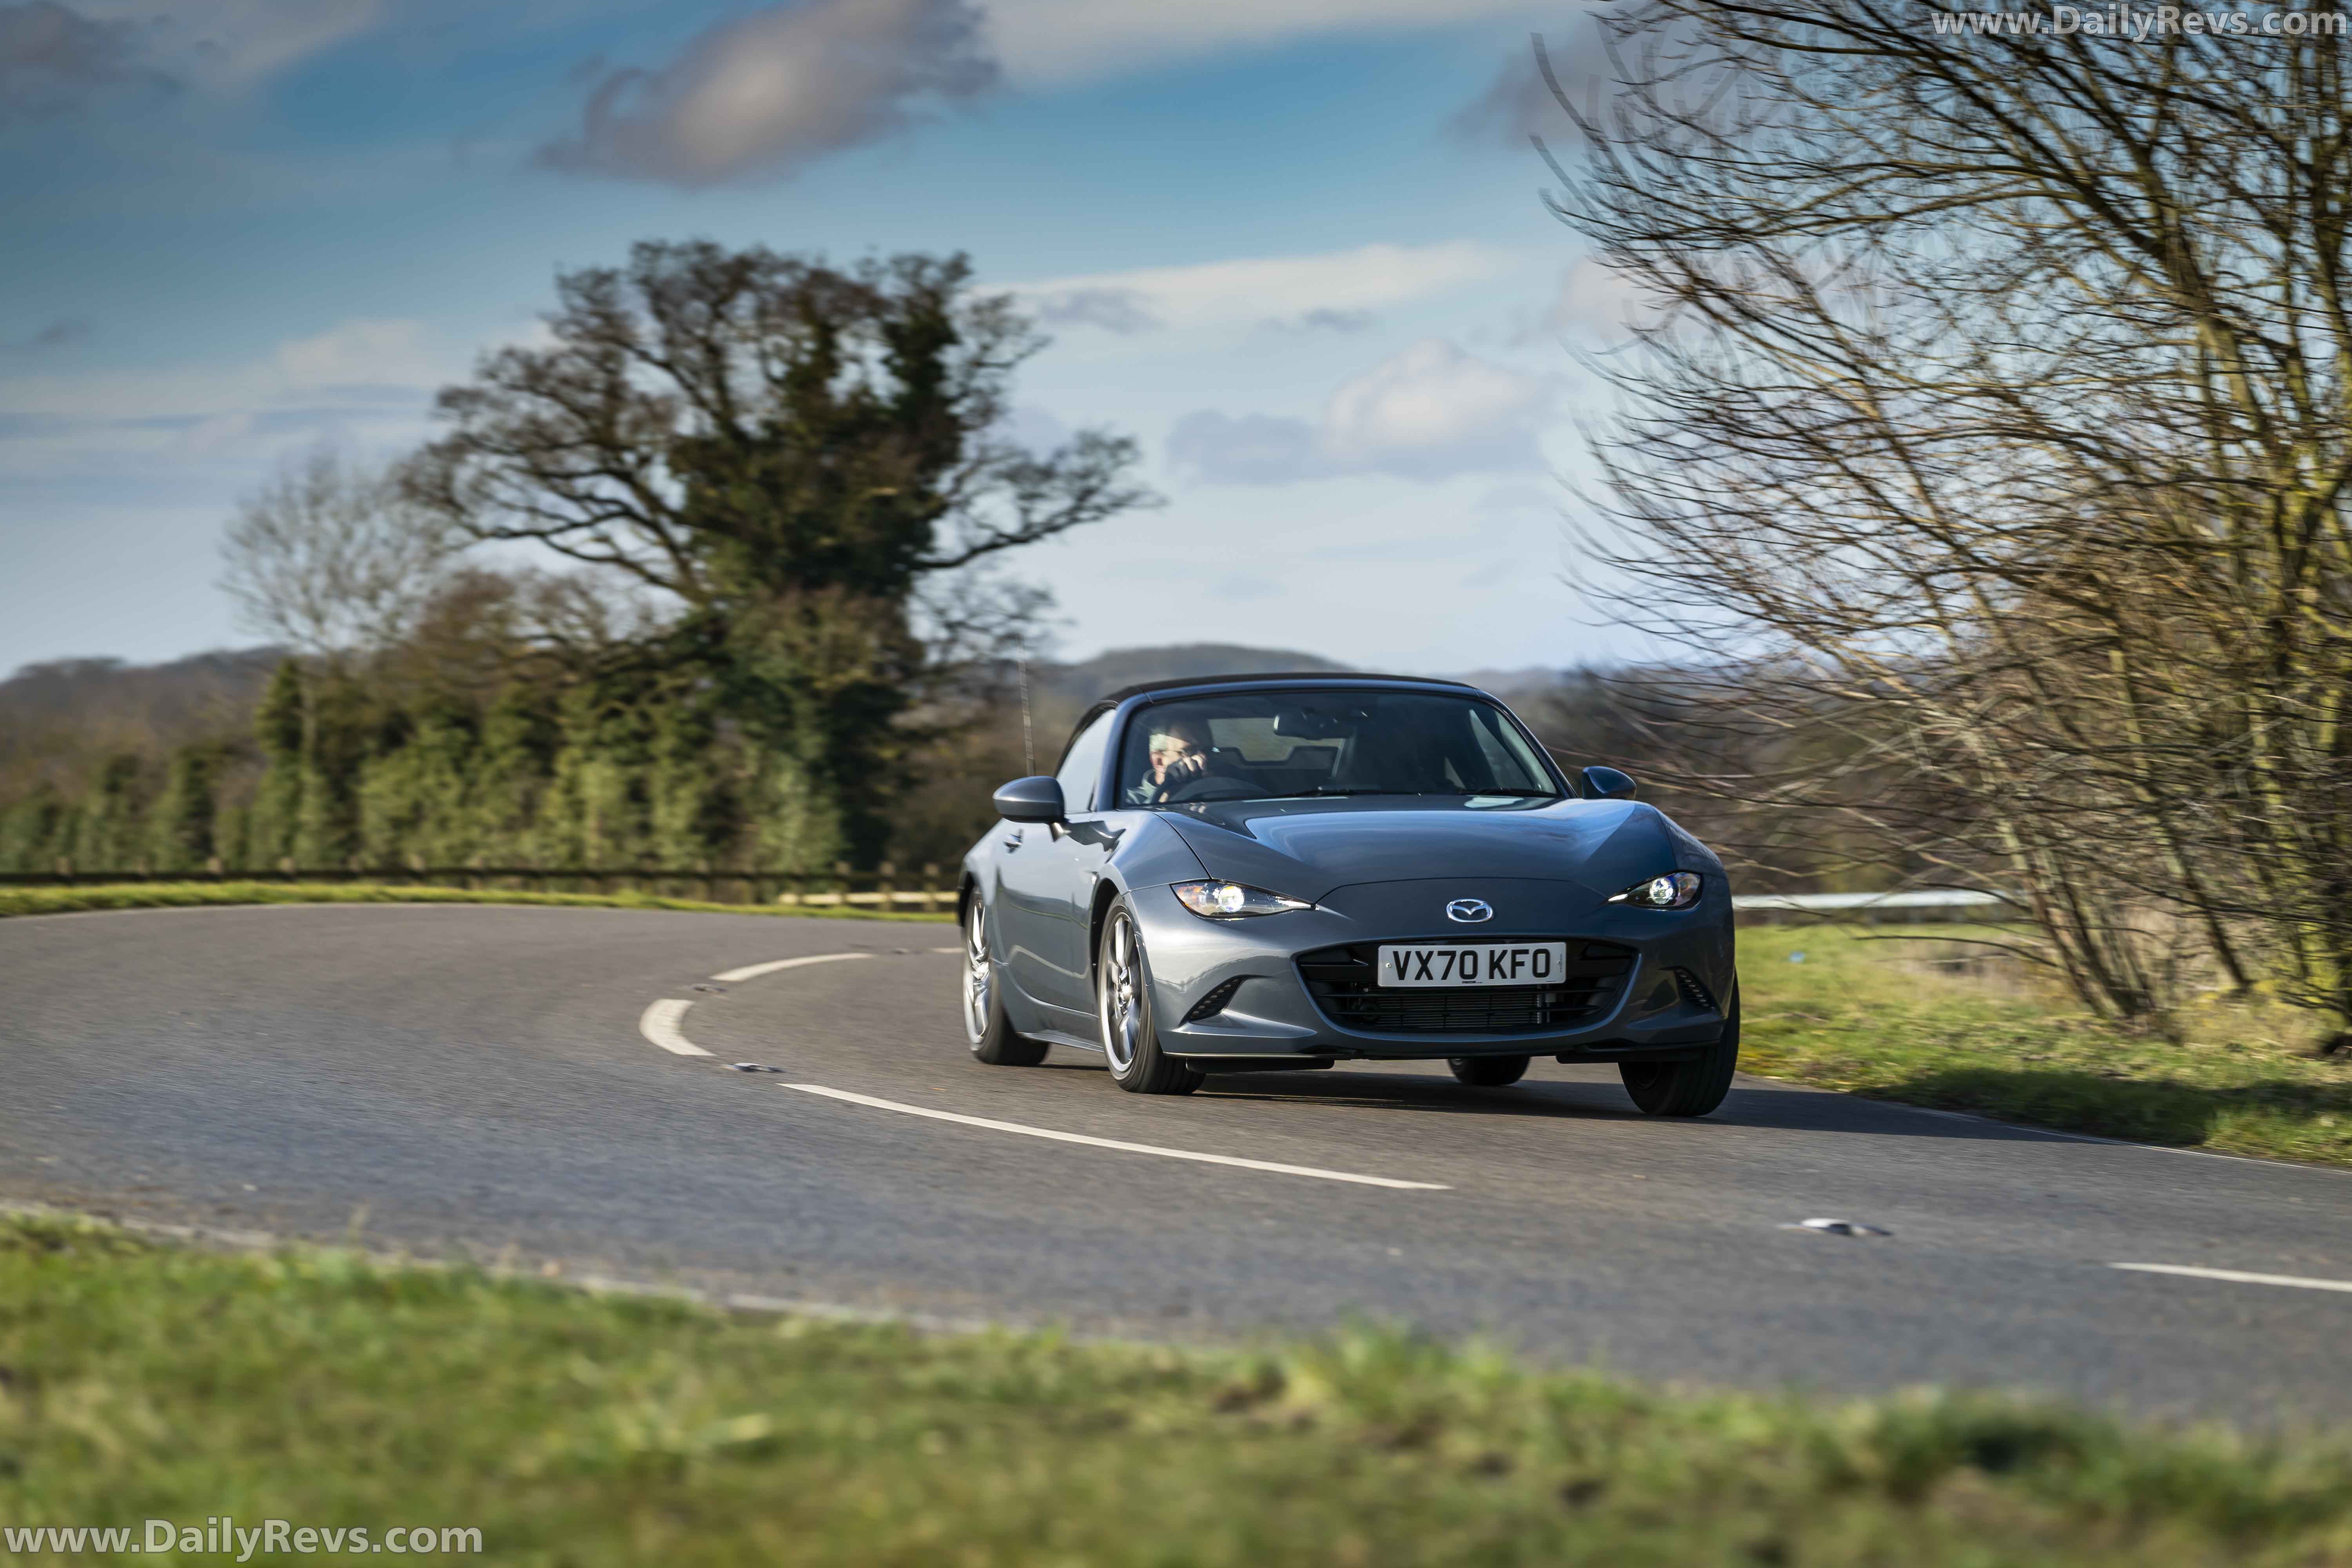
(1890, 1019)
(194, 895)
(139, 1382)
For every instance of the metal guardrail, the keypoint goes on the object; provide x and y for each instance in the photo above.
(1940, 904)
(885, 887)
(881, 888)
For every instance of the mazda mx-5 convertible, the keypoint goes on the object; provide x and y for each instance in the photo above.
(1285, 871)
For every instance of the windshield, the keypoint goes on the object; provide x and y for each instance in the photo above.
(1278, 745)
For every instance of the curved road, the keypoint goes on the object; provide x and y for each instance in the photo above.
(475, 1081)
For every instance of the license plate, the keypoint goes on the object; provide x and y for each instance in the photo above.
(1482, 964)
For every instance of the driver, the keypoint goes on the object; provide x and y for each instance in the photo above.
(1178, 751)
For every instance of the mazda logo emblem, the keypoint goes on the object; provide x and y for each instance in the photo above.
(1469, 911)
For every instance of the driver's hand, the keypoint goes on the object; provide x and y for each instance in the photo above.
(1183, 768)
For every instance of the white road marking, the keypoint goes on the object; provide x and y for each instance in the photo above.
(753, 971)
(660, 1024)
(1027, 1131)
(2296, 1281)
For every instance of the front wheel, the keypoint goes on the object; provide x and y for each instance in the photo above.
(985, 1027)
(1688, 1088)
(1123, 1006)
(1488, 1072)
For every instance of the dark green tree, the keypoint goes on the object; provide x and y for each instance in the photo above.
(279, 725)
(32, 832)
(790, 449)
(180, 831)
(343, 724)
(110, 832)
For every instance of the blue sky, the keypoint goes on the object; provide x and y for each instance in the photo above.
(1278, 241)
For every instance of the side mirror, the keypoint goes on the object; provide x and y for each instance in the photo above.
(1605, 783)
(1038, 798)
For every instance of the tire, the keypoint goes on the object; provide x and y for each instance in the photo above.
(985, 1026)
(1123, 1008)
(1488, 1072)
(1688, 1088)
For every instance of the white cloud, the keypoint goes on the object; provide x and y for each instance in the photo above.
(1435, 410)
(1324, 319)
(1245, 449)
(760, 95)
(1429, 413)
(1059, 40)
(232, 43)
(1124, 311)
(1519, 103)
(1033, 428)
(365, 382)
(54, 62)
(364, 352)
(1334, 286)
(1594, 301)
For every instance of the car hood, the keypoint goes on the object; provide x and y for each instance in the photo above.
(1307, 848)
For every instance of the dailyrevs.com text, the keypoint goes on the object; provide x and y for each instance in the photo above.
(224, 1537)
(2138, 24)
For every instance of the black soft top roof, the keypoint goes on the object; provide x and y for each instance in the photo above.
(1322, 676)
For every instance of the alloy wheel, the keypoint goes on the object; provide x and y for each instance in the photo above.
(977, 978)
(1121, 1026)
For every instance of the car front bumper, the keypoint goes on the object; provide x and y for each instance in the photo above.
(1271, 1014)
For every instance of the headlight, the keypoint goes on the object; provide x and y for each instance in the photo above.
(1231, 900)
(1674, 890)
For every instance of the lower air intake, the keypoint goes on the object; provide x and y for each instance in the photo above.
(1695, 991)
(1345, 983)
(1211, 1005)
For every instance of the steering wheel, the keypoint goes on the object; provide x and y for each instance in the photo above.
(1199, 788)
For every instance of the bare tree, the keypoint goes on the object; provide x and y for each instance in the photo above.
(330, 559)
(1999, 394)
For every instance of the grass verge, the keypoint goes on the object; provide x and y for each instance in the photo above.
(1935, 1020)
(195, 895)
(139, 1382)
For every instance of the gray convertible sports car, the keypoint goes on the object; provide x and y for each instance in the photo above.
(1282, 871)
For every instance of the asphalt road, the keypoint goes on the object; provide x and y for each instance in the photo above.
(475, 1081)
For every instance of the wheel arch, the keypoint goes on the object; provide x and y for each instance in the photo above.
(1106, 893)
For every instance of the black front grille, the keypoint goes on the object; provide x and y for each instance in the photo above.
(1345, 983)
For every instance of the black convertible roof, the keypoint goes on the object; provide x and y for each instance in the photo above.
(1325, 676)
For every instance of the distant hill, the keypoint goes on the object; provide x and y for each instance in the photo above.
(159, 694)
(1106, 672)
(1059, 693)
(57, 716)
(1513, 685)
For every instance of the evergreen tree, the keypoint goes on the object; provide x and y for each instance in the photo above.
(340, 726)
(513, 769)
(110, 830)
(279, 725)
(181, 824)
(32, 832)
